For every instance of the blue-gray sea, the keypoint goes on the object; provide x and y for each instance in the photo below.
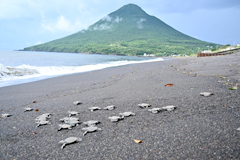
(17, 67)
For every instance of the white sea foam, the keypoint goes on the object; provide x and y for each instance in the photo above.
(26, 73)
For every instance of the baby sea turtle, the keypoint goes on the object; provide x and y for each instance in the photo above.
(43, 117)
(144, 105)
(48, 115)
(90, 129)
(127, 114)
(73, 122)
(91, 123)
(77, 102)
(169, 108)
(38, 119)
(94, 108)
(109, 107)
(42, 123)
(28, 109)
(69, 140)
(115, 118)
(72, 113)
(5, 115)
(206, 94)
(66, 119)
(64, 126)
(155, 110)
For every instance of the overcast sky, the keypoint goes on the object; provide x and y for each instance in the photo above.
(24, 23)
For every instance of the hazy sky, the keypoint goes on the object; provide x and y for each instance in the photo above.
(24, 23)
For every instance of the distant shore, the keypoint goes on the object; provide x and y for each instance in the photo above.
(200, 127)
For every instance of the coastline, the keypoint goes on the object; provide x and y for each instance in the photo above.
(200, 127)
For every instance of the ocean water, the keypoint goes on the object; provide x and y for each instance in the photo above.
(17, 67)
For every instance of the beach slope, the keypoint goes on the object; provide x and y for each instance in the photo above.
(199, 128)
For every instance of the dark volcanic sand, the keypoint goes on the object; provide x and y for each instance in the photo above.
(200, 127)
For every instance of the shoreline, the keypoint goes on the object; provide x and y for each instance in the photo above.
(199, 128)
(78, 69)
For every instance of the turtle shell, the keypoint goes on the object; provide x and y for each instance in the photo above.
(71, 139)
(91, 122)
(90, 129)
(64, 125)
(73, 112)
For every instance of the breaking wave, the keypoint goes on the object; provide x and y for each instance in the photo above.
(10, 74)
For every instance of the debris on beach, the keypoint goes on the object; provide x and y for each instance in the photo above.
(69, 140)
(90, 129)
(206, 94)
(144, 105)
(222, 81)
(169, 85)
(115, 118)
(36, 110)
(112, 107)
(72, 113)
(169, 108)
(137, 141)
(5, 115)
(233, 88)
(77, 102)
(27, 109)
(94, 108)
(34, 101)
(155, 110)
(127, 114)
(91, 123)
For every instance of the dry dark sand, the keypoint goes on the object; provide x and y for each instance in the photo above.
(200, 127)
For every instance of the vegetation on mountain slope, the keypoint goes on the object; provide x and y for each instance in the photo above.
(127, 31)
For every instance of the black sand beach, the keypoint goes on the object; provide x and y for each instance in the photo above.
(200, 127)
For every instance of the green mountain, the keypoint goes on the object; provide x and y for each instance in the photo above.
(127, 31)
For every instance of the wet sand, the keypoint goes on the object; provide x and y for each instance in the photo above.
(199, 128)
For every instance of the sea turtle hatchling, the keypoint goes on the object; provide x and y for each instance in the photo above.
(5, 115)
(94, 108)
(43, 117)
(144, 105)
(66, 119)
(42, 123)
(127, 114)
(90, 129)
(64, 126)
(69, 140)
(155, 110)
(109, 107)
(27, 109)
(73, 122)
(206, 94)
(40, 118)
(77, 102)
(169, 108)
(48, 115)
(72, 113)
(91, 123)
(115, 118)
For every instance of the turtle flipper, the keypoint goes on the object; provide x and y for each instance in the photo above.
(64, 144)
(85, 133)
